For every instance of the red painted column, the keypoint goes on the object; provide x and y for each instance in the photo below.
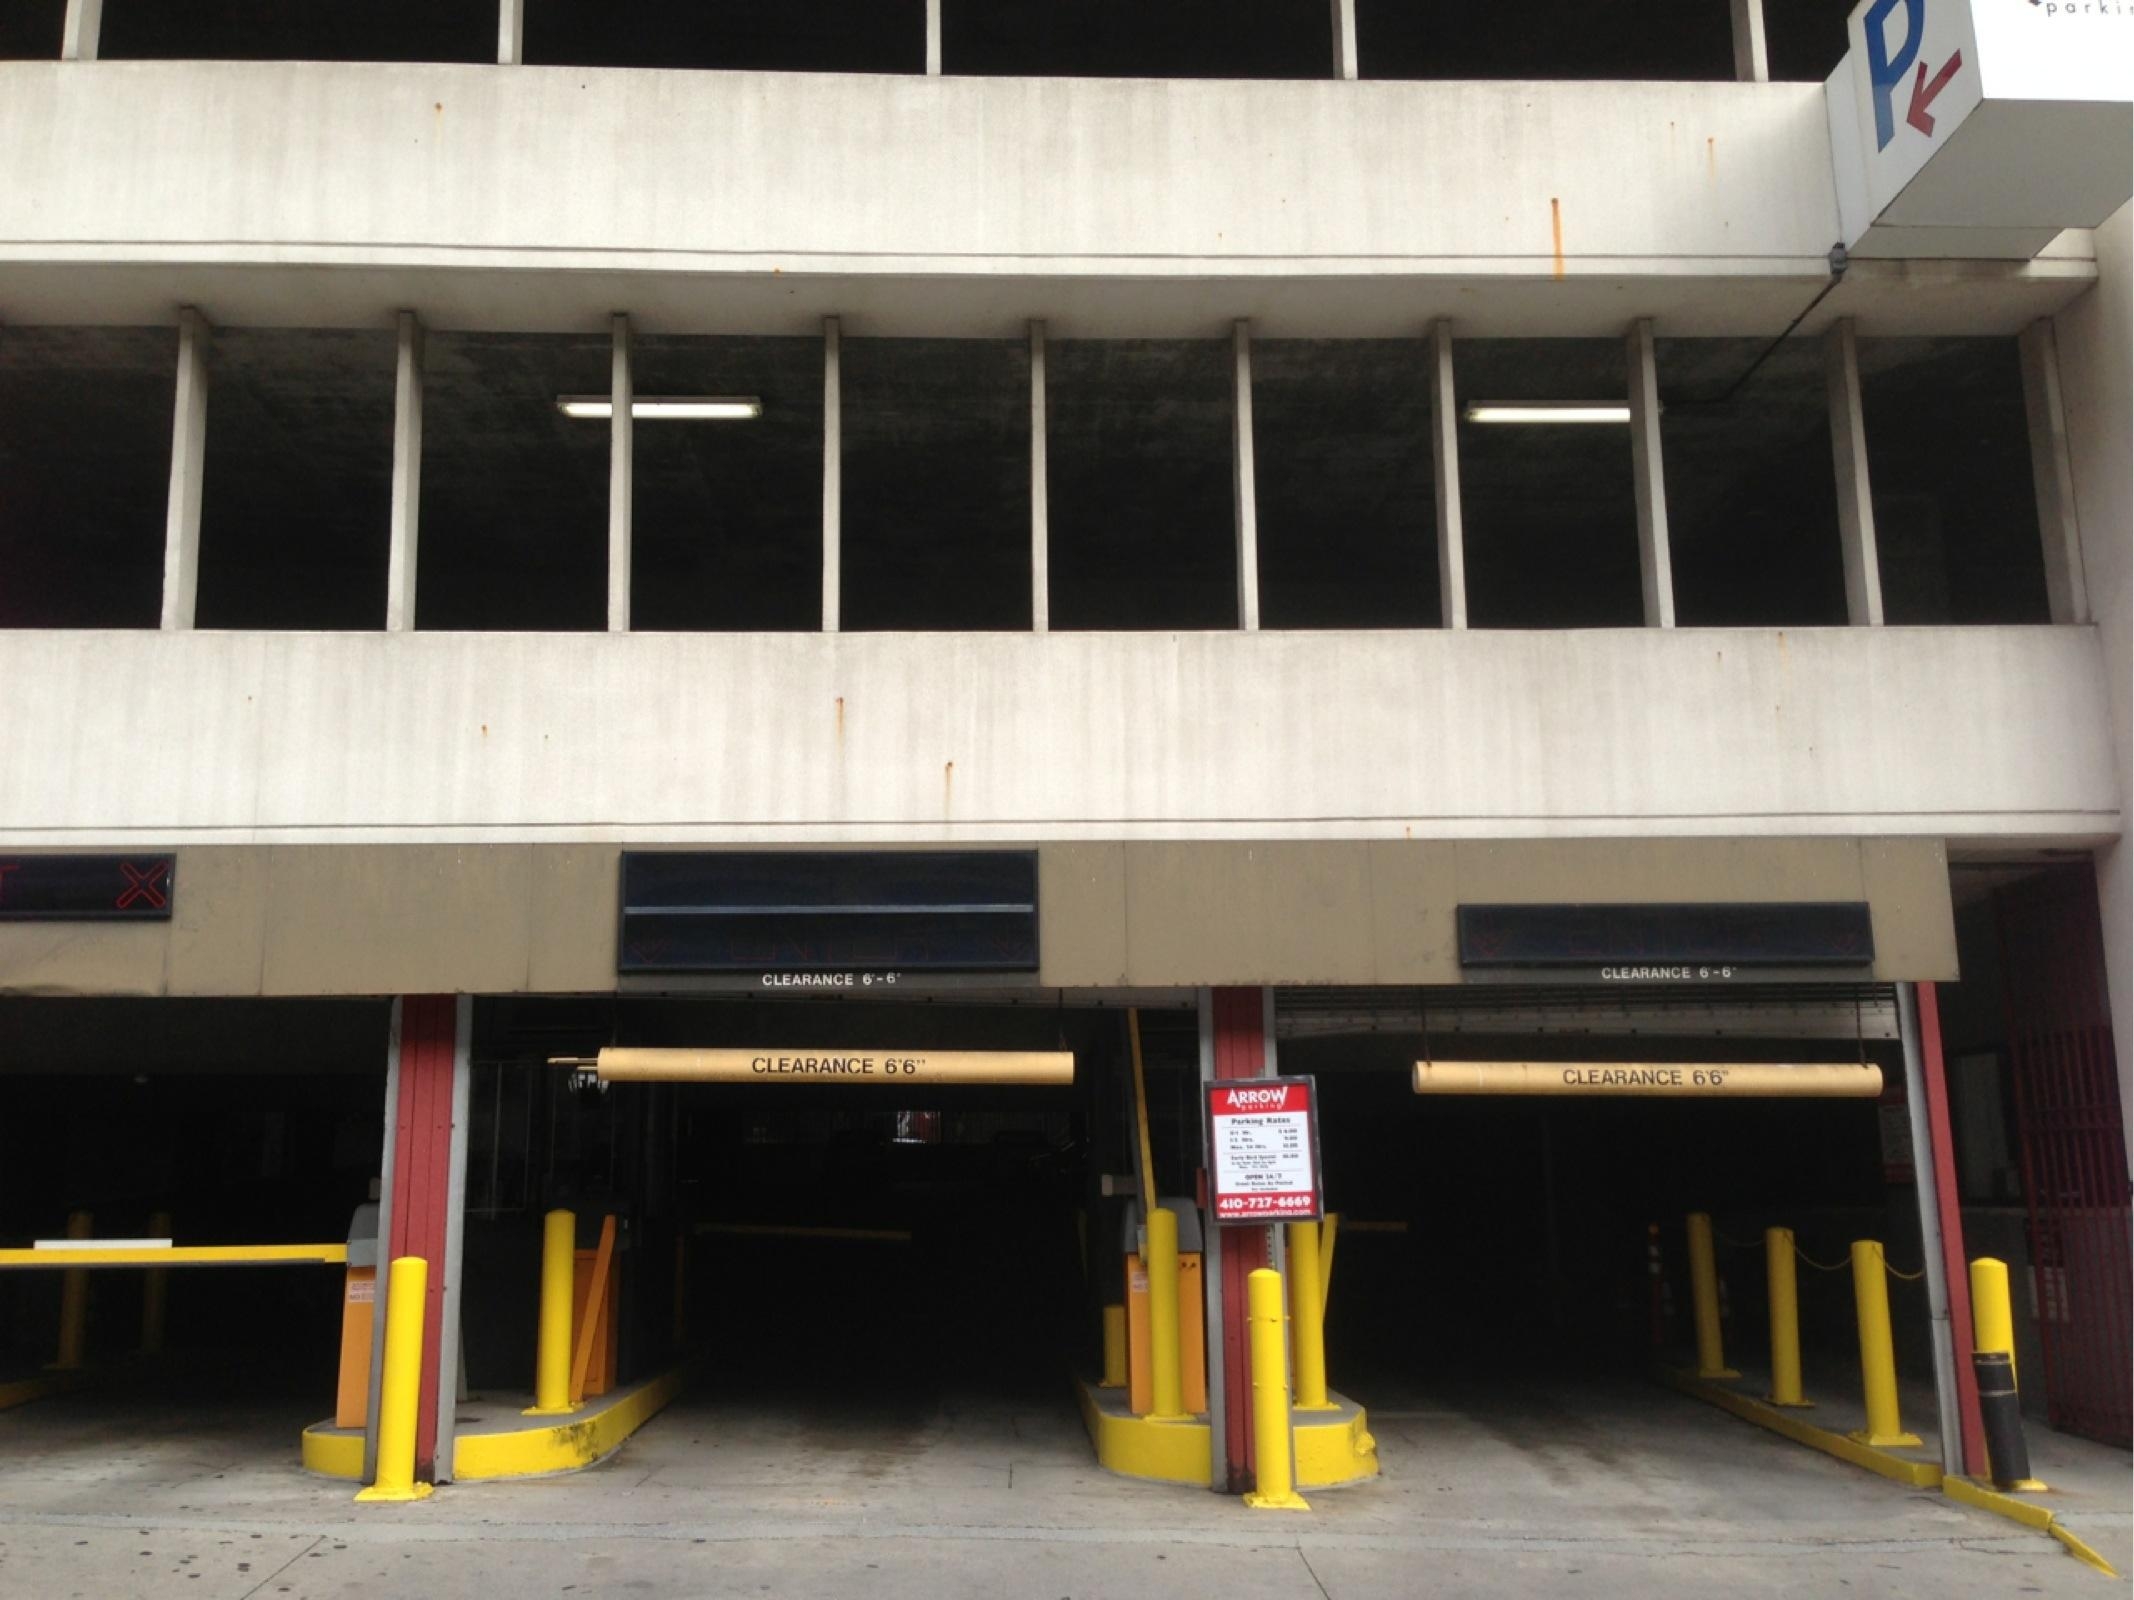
(1949, 1202)
(422, 1152)
(1240, 1052)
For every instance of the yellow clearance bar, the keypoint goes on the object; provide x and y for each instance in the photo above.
(182, 1255)
(895, 1068)
(1678, 1079)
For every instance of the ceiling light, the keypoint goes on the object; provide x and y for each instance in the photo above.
(664, 407)
(1545, 411)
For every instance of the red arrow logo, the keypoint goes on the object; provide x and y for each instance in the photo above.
(1923, 93)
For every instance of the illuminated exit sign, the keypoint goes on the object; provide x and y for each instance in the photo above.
(40, 888)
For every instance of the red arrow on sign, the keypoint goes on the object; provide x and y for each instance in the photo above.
(1923, 93)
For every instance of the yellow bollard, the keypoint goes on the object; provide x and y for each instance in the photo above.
(1878, 1352)
(1704, 1297)
(1992, 1315)
(1167, 1380)
(1114, 1348)
(1785, 1319)
(552, 1349)
(73, 1303)
(154, 1290)
(407, 1287)
(1270, 1397)
(1307, 1317)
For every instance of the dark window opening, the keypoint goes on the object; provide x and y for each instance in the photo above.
(1548, 510)
(32, 30)
(1111, 39)
(286, 30)
(753, 35)
(85, 424)
(1804, 40)
(1752, 496)
(1138, 457)
(936, 529)
(726, 530)
(1692, 39)
(514, 531)
(1948, 459)
(296, 500)
(1347, 510)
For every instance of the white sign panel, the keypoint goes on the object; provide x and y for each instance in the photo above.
(1916, 78)
(1263, 1151)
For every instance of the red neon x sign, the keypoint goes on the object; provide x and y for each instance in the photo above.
(143, 885)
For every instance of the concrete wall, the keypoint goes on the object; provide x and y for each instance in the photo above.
(162, 739)
(2096, 342)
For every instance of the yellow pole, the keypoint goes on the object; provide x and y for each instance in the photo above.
(1141, 1112)
(1992, 1316)
(400, 1393)
(73, 1302)
(1785, 1318)
(154, 1290)
(1307, 1317)
(1704, 1297)
(552, 1349)
(1878, 1352)
(1270, 1397)
(1114, 1348)
(1329, 1231)
(1167, 1399)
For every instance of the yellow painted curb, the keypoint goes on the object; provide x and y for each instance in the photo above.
(1335, 1451)
(1916, 1474)
(1970, 1492)
(520, 1452)
(1164, 1452)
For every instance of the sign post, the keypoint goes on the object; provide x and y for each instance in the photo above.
(1263, 1151)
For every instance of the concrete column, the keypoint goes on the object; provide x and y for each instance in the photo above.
(622, 464)
(510, 32)
(1655, 565)
(400, 559)
(1344, 38)
(1445, 456)
(1040, 508)
(933, 38)
(188, 469)
(2052, 475)
(81, 35)
(1246, 496)
(1848, 448)
(833, 486)
(1752, 61)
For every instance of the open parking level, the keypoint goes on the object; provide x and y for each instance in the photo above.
(1558, 1485)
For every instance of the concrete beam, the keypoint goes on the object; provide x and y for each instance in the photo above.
(833, 479)
(188, 470)
(510, 32)
(1344, 38)
(1752, 57)
(1848, 448)
(81, 36)
(1245, 491)
(1040, 505)
(403, 539)
(622, 467)
(1655, 564)
(1445, 457)
(2052, 475)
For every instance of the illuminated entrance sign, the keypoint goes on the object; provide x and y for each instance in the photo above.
(1263, 1151)
(1665, 1079)
(86, 888)
(900, 1068)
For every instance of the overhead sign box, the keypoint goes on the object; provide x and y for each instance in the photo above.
(1667, 943)
(87, 888)
(845, 918)
(1981, 128)
(1263, 1151)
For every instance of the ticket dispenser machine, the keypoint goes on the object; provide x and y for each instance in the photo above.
(1192, 1310)
(359, 1300)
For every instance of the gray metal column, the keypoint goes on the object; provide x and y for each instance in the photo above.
(1946, 1402)
(385, 1234)
(448, 1332)
(1211, 1276)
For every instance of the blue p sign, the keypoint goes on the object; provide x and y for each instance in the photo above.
(1886, 70)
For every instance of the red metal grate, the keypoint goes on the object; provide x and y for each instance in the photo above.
(2074, 1152)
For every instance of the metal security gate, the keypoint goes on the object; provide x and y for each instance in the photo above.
(2074, 1152)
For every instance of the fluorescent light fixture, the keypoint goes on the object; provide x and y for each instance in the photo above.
(1545, 411)
(664, 407)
